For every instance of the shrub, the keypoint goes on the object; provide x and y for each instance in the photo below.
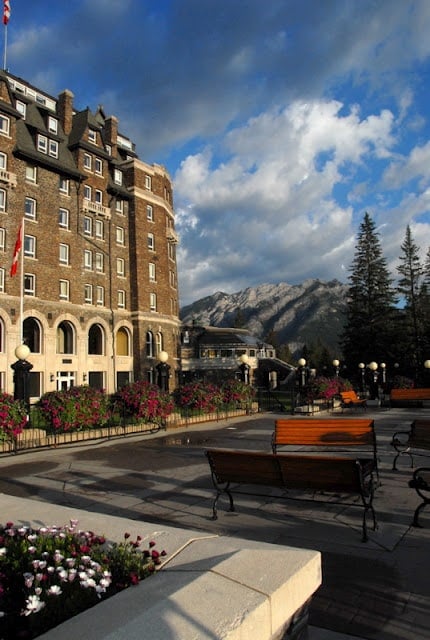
(75, 409)
(236, 392)
(13, 417)
(199, 396)
(326, 388)
(145, 401)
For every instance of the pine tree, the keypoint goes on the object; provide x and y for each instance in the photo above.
(369, 328)
(412, 290)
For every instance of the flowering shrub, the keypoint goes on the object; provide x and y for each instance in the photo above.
(13, 417)
(199, 396)
(145, 401)
(236, 392)
(402, 382)
(75, 409)
(326, 388)
(48, 575)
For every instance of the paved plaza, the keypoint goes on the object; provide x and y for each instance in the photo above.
(375, 590)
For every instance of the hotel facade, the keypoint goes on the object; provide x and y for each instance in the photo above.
(95, 296)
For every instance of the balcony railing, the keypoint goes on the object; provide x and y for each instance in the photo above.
(95, 207)
(8, 177)
(171, 235)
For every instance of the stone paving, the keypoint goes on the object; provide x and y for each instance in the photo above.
(375, 590)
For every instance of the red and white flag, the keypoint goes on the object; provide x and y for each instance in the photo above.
(6, 11)
(17, 250)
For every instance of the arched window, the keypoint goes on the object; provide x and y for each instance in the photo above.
(65, 337)
(2, 336)
(96, 340)
(149, 344)
(158, 342)
(122, 342)
(31, 334)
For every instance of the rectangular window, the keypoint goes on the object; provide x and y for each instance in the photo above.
(150, 212)
(2, 239)
(53, 148)
(31, 173)
(52, 124)
(120, 236)
(119, 206)
(151, 272)
(100, 296)
(153, 302)
(3, 161)
(87, 161)
(2, 200)
(151, 242)
(109, 149)
(148, 182)
(98, 196)
(117, 176)
(63, 218)
(30, 208)
(99, 262)
(2, 280)
(98, 166)
(121, 299)
(4, 125)
(87, 192)
(88, 293)
(64, 253)
(29, 246)
(92, 136)
(88, 259)
(42, 144)
(88, 226)
(99, 229)
(21, 107)
(30, 284)
(64, 289)
(64, 186)
(120, 267)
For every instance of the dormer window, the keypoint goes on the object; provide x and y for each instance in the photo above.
(52, 125)
(92, 136)
(21, 107)
(117, 176)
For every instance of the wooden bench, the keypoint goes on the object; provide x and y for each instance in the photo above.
(421, 483)
(292, 472)
(416, 438)
(409, 397)
(350, 400)
(329, 434)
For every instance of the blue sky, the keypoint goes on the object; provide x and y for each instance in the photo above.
(280, 123)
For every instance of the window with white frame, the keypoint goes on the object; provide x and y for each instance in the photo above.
(87, 161)
(64, 185)
(99, 230)
(4, 124)
(153, 302)
(64, 289)
(63, 218)
(92, 136)
(150, 212)
(152, 272)
(88, 293)
(120, 236)
(30, 284)
(109, 149)
(2, 239)
(121, 299)
(172, 278)
(151, 241)
(64, 253)
(158, 342)
(88, 226)
(88, 259)
(2, 200)
(31, 173)
(42, 143)
(98, 166)
(2, 280)
(87, 192)
(30, 208)
(120, 267)
(98, 196)
(21, 107)
(119, 207)
(53, 148)
(52, 124)
(99, 261)
(148, 182)
(117, 176)
(29, 246)
(3, 161)
(100, 296)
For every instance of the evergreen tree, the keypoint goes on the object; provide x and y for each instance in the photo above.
(411, 289)
(369, 328)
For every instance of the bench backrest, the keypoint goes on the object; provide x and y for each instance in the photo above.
(420, 434)
(244, 466)
(410, 394)
(326, 432)
(318, 473)
(350, 395)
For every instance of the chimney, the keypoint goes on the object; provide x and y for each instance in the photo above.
(65, 110)
(111, 133)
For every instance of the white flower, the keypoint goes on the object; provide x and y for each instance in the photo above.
(28, 580)
(2, 551)
(34, 604)
(58, 557)
(54, 590)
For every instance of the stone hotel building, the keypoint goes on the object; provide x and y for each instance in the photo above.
(99, 295)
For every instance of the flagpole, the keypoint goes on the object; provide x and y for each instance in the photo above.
(5, 48)
(21, 294)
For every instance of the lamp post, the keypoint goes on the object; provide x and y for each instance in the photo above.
(21, 370)
(302, 372)
(373, 366)
(163, 370)
(244, 368)
(362, 367)
(336, 364)
(384, 372)
(427, 368)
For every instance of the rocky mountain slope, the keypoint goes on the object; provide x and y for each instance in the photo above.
(296, 314)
